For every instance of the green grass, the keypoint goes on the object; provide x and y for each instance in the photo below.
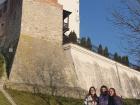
(131, 102)
(3, 100)
(24, 98)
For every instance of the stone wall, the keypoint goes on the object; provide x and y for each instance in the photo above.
(92, 69)
(42, 20)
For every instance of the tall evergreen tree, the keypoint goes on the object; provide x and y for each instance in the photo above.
(106, 53)
(123, 60)
(73, 37)
(127, 61)
(89, 44)
(83, 42)
(119, 59)
(116, 56)
(100, 49)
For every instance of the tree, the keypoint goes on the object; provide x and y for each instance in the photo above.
(125, 60)
(129, 22)
(116, 56)
(73, 37)
(119, 59)
(106, 53)
(83, 42)
(100, 49)
(89, 44)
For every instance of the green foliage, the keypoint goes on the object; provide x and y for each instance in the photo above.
(1, 65)
(73, 37)
(86, 43)
(116, 56)
(100, 49)
(106, 53)
(53, 101)
(131, 102)
(119, 59)
(124, 59)
(89, 44)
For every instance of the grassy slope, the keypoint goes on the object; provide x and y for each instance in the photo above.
(3, 100)
(23, 98)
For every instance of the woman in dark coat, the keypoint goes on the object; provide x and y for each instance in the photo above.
(91, 98)
(113, 98)
(103, 99)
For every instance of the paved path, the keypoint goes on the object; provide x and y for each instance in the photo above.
(6, 94)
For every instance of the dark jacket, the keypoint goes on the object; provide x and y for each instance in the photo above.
(103, 100)
(118, 100)
(115, 100)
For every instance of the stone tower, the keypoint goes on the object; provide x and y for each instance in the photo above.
(40, 56)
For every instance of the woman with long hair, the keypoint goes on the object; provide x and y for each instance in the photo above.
(103, 98)
(91, 98)
(113, 98)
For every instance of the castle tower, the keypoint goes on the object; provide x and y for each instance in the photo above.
(74, 19)
(40, 53)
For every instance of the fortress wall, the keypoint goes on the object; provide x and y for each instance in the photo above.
(95, 70)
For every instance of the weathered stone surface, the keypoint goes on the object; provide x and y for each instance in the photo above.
(95, 70)
(40, 58)
(42, 20)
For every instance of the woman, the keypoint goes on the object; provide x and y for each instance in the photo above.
(91, 98)
(103, 99)
(113, 98)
